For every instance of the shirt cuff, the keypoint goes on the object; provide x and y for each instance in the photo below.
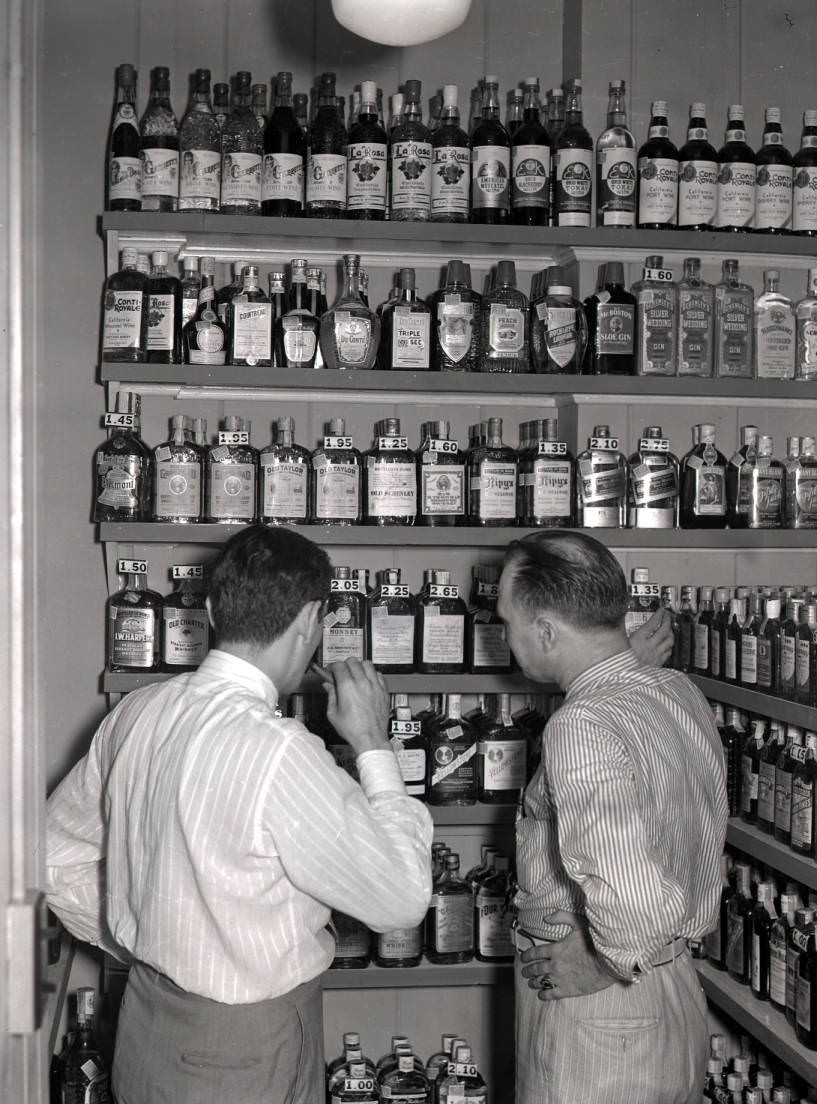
(379, 773)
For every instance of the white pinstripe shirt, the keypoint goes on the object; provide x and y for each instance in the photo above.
(209, 839)
(625, 820)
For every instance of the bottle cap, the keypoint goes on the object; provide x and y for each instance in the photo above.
(655, 260)
(749, 435)
(641, 574)
(285, 424)
(810, 118)
(771, 274)
(601, 431)
(653, 432)
(368, 92)
(494, 427)
(129, 257)
(491, 80)
(772, 114)
(242, 81)
(450, 95)
(614, 273)
(617, 86)
(126, 76)
(723, 594)
(159, 258)
(412, 91)
(659, 109)
(735, 112)
(407, 279)
(128, 402)
(160, 79)
(336, 427)
(734, 1082)
(697, 111)
(550, 429)
(458, 272)
(178, 421)
(463, 1054)
(765, 445)
(506, 273)
(807, 446)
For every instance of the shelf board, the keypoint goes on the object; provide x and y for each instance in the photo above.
(767, 705)
(768, 850)
(424, 976)
(759, 1018)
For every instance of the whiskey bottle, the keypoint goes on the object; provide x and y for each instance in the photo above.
(335, 478)
(409, 745)
(185, 638)
(204, 338)
(440, 626)
(701, 637)
(494, 915)
(124, 175)
(799, 943)
(732, 642)
(775, 174)
(406, 324)
(658, 174)
(450, 919)
(344, 623)
(750, 767)
(463, 1080)
(326, 156)
(191, 286)
(803, 803)
(601, 486)
(126, 307)
(225, 295)
(783, 775)
(283, 490)
(645, 600)
(282, 170)
(775, 330)
(801, 484)
(486, 643)
(390, 477)
(573, 163)
(768, 648)
(242, 149)
(455, 318)
(736, 176)
(789, 636)
(437, 1065)
(452, 776)
(353, 1080)
(703, 479)
(718, 630)
(657, 313)
(123, 465)
(697, 175)
(159, 147)
(779, 939)
(390, 624)
(558, 327)
(504, 324)
(450, 164)
(616, 164)
(804, 193)
(763, 917)
(232, 467)
(805, 314)
(400, 948)
(351, 1041)
(367, 160)
(490, 162)
(165, 313)
(250, 323)
(441, 475)
(530, 163)
(353, 943)
(85, 1077)
(492, 480)
(411, 160)
(654, 483)
(502, 766)
(806, 657)
(734, 332)
(134, 614)
(178, 467)
(739, 478)
(349, 331)
(295, 333)
(765, 478)
(610, 314)
(696, 309)
(766, 772)
(406, 1083)
(547, 478)
(200, 150)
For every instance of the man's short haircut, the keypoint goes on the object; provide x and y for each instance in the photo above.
(261, 580)
(568, 574)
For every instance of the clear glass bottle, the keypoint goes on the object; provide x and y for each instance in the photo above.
(697, 175)
(406, 1082)
(400, 948)
(336, 482)
(616, 171)
(610, 314)
(450, 918)
(405, 334)
(390, 619)
(282, 170)
(185, 636)
(191, 286)
(775, 175)
(165, 313)
(283, 486)
(765, 479)
(232, 471)
(123, 465)
(775, 330)
(199, 150)
(530, 163)
(178, 475)
(437, 1065)
(452, 776)
(409, 745)
(85, 1078)
(739, 478)
(558, 327)
(411, 160)
(124, 168)
(547, 478)
(656, 297)
(125, 312)
(502, 766)
(242, 149)
(159, 146)
(463, 1080)
(390, 477)
(326, 156)
(801, 486)
(696, 310)
(349, 331)
(573, 163)
(250, 323)
(367, 160)
(300, 105)
(805, 314)
(736, 176)
(658, 174)
(734, 329)
(353, 944)
(490, 162)
(258, 103)
(492, 480)
(601, 486)
(455, 318)
(343, 634)
(440, 625)
(703, 484)
(352, 1077)
(134, 615)
(441, 477)
(450, 164)
(205, 338)
(804, 193)
(654, 486)
(486, 644)
(295, 333)
(504, 343)
(494, 914)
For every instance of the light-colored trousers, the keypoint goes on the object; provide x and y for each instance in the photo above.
(642, 1043)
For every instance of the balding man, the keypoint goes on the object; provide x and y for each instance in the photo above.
(618, 847)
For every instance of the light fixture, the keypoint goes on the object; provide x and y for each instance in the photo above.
(400, 22)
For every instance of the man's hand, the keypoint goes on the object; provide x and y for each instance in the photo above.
(357, 704)
(571, 965)
(652, 642)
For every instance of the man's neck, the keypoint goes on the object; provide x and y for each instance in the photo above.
(587, 652)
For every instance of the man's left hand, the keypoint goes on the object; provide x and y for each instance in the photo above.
(571, 965)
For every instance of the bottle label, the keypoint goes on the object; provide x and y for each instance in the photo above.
(132, 636)
(701, 647)
(615, 201)
(282, 177)
(749, 781)
(710, 489)
(401, 942)
(755, 963)
(177, 489)
(326, 179)
(803, 665)
(657, 310)
(231, 491)
(804, 202)
(697, 193)
(736, 193)
(506, 330)
(455, 327)
(504, 764)
(748, 659)
(123, 320)
(367, 170)
(391, 489)
(806, 347)
(497, 490)
(251, 331)
(411, 760)
(353, 336)
(773, 198)
(776, 342)
(283, 487)
(452, 929)
(125, 178)
(530, 169)
(552, 482)
(601, 486)
(185, 636)
(200, 178)
(765, 792)
(409, 342)
(442, 489)
(353, 938)
(730, 660)
(337, 491)
(240, 178)
(782, 800)
(300, 343)
(787, 659)
(399, 1096)
(210, 341)
(657, 190)
(118, 480)
(160, 172)
(490, 177)
(802, 813)
(411, 176)
(803, 1003)
(560, 332)
(494, 926)
(161, 322)
(653, 485)
(450, 181)
(490, 645)
(695, 325)
(615, 329)
(574, 176)
(341, 640)
(806, 497)
(443, 638)
(189, 308)
(734, 333)
(392, 637)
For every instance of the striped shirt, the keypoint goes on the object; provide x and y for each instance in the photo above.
(208, 838)
(625, 820)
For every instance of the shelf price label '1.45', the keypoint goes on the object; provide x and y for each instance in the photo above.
(115, 419)
(188, 571)
(132, 567)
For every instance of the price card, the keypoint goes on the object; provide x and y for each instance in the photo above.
(662, 275)
(393, 443)
(233, 437)
(405, 728)
(116, 420)
(132, 567)
(552, 448)
(187, 571)
(395, 590)
(488, 590)
(463, 1069)
(645, 590)
(443, 590)
(438, 444)
(653, 444)
(345, 586)
(338, 442)
(608, 444)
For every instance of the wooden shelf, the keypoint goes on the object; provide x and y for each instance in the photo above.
(767, 705)
(426, 975)
(771, 852)
(759, 1018)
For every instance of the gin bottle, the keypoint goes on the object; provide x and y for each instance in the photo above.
(282, 170)
(335, 478)
(367, 160)
(124, 175)
(440, 625)
(85, 1077)
(191, 286)
(450, 919)
(405, 329)
(736, 176)
(200, 150)
(492, 480)
(697, 175)
(452, 748)
(486, 643)
(390, 477)
(283, 490)
(134, 615)
(441, 476)
(390, 620)
(204, 338)
(450, 164)
(232, 467)
(696, 308)
(558, 327)
(165, 316)
(703, 484)
(547, 478)
(616, 164)
(657, 313)
(242, 148)
(349, 331)
(804, 195)
(250, 323)
(658, 174)
(343, 634)
(123, 465)
(159, 147)
(573, 163)
(801, 485)
(295, 333)
(504, 324)
(126, 309)
(645, 599)
(530, 163)
(765, 479)
(178, 467)
(411, 160)
(805, 314)
(610, 314)
(775, 174)
(739, 479)
(409, 745)
(185, 623)
(490, 162)
(734, 329)
(601, 487)
(502, 764)
(326, 156)
(654, 483)
(455, 322)
(775, 330)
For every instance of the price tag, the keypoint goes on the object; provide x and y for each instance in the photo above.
(443, 590)
(233, 437)
(359, 1084)
(345, 586)
(405, 728)
(115, 420)
(437, 444)
(653, 444)
(606, 444)
(645, 590)
(188, 571)
(132, 567)
(552, 448)
(463, 1069)
(488, 590)
(338, 442)
(798, 753)
(801, 939)
(392, 443)
(395, 590)
(662, 275)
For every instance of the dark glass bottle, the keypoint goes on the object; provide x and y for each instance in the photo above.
(658, 174)
(739, 478)
(750, 767)
(779, 939)
(573, 163)
(770, 755)
(733, 738)
(125, 312)
(492, 480)
(616, 172)
(490, 162)
(124, 175)
(178, 471)
(441, 477)
(804, 798)
(749, 641)
(134, 616)
(703, 621)
(697, 175)
(504, 324)
(367, 160)
(717, 632)
(85, 1071)
(450, 164)
(185, 638)
(452, 775)
(250, 323)
(277, 285)
(411, 160)
(199, 150)
(282, 172)
(191, 286)
(764, 915)
(732, 644)
(739, 926)
(165, 313)
(736, 176)
(440, 626)
(558, 327)
(715, 941)
(455, 322)
(390, 620)
(789, 631)
(283, 485)
(502, 766)
(343, 634)
(242, 147)
(204, 338)
(806, 986)
(390, 477)
(530, 164)
(683, 650)
(547, 478)
(224, 295)
(783, 777)
(326, 157)
(768, 649)
(804, 204)
(159, 147)
(703, 490)
(232, 471)
(806, 659)
(295, 333)
(486, 642)
(610, 314)
(775, 176)
(336, 480)
(405, 336)
(123, 465)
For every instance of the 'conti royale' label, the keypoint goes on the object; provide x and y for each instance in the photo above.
(773, 197)
(697, 193)
(736, 194)
(804, 200)
(657, 191)
(122, 326)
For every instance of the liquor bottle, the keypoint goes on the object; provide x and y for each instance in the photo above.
(295, 332)
(610, 314)
(696, 309)
(178, 468)
(657, 174)
(657, 312)
(344, 623)
(475, 106)
(732, 642)
(204, 338)
(616, 172)
(406, 1082)
(804, 193)
(788, 648)
(697, 175)
(783, 775)
(530, 163)
(232, 467)
(601, 486)
(748, 643)
(159, 147)
(803, 803)
(733, 738)
(770, 755)
(703, 484)
(654, 484)
(779, 938)
(455, 322)
(409, 745)
(411, 160)
(335, 479)
(798, 943)
(185, 638)
(165, 313)
(277, 285)
(242, 148)
(450, 164)
(283, 489)
(463, 1080)
(126, 309)
(224, 295)
(806, 987)
(702, 624)
(764, 478)
(515, 112)
(191, 286)
(124, 175)
(123, 465)
(326, 156)
(349, 331)
(452, 775)
(801, 486)
(300, 106)
(775, 330)
(775, 175)
(258, 105)
(739, 925)
(250, 328)
(390, 619)
(221, 103)
(504, 324)
(806, 659)
(399, 948)
(683, 647)
(134, 614)
(750, 770)
(353, 943)
(645, 599)
(85, 1077)
(199, 150)
(734, 332)
(715, 941)
(450, 918)
(441, 477)
(547, 479)
(352, 1076)
(492, 480)
(282, 170)
(805, 314)
(367, 160)
(558, 327)
(736, 176)
(739, 478)
(490, 162)
(405, 329)
(390, 477)
(573, 163)
(440, 626)
(718, 627)
(437, 1065)
(486, 644)
(764, 915)
(388, 1062)
(502, 766)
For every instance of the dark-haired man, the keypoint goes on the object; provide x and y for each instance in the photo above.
(206, 839)
(618, 848)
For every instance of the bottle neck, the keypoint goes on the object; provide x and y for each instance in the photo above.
(126, 94)
(616, 110)
(351, 282)
(573, 109)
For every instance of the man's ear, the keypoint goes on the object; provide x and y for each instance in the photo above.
(547, 632)
(308, 619)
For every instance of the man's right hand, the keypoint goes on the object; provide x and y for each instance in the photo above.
(357, 704)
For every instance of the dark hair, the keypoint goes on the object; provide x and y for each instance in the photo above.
(261, 580)
(568, 574)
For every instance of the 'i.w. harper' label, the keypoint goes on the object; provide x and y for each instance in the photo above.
(132, 636)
